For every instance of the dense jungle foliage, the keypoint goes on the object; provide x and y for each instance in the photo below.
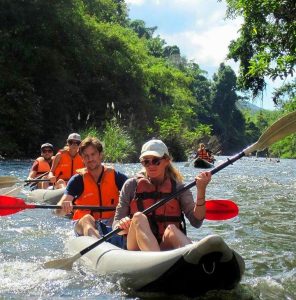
(84, 66)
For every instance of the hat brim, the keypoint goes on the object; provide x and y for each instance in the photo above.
(151, 153)
(46, 146)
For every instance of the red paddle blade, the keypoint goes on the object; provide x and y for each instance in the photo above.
(220, 210)
(11, 205)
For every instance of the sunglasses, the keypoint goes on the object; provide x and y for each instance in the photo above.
(74, 143)
(47, 151)
(153, 161)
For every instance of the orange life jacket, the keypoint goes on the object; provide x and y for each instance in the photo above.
(170, 213)
(68, 165)
(104, 193)
(202, 153)
(43, 165)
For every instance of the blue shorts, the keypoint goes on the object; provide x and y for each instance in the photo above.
(103, 228)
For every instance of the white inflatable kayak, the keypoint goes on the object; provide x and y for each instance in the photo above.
(192, 270)
(46, 196)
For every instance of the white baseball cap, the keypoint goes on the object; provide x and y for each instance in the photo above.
(154, 148)
(74, 137)
(46, 145)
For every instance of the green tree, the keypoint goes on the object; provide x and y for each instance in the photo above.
(111, 11)
(229, 124)
(267, 42)
(139, 26)
(20, 115)
(201, 90)
(75, 58)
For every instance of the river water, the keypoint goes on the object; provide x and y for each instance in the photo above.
(263, 234)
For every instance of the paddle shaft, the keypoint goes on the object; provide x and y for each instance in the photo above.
(38, 177)
(34, 180)
(83, 207)
(12, 182)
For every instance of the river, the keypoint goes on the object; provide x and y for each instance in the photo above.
(263, 234)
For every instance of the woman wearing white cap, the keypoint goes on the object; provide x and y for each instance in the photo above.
(66, 162)
(164, 228)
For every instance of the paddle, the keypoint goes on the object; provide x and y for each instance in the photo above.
(7, 181)
(15, 190)
(10, 205)
(281, 128)
(38, 177)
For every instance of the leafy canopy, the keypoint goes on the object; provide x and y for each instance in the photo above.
(267, 42)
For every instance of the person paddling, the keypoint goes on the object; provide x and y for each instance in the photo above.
(211, 157)
(164, 229)
(202, 153)
(42, 165)
(97, 184)
(66, 162)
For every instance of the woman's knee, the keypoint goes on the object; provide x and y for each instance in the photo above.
(173, 238)
(171, 230)
(139, 219)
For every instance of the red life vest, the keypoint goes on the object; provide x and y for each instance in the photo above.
(202, 153)
(104, 193)
(68, 165)
(43, 165)
(147, 194)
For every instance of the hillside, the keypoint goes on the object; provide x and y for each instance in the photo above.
(245, 105)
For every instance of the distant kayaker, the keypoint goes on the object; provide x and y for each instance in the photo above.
(97, 185)
(202, 153)
(42, 165)
(211, 157)
(66, 162)
(164, 228)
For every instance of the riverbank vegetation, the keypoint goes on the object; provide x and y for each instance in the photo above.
(84, 66)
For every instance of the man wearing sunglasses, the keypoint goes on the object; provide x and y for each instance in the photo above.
(42, 164)
(66, 162)
(97, 185)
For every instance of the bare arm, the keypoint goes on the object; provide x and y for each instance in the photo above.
(123, 207)
(33, 171)
(195, 210)
(202, 181)
(32, 175)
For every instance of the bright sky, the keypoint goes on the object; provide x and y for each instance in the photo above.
(197, 27)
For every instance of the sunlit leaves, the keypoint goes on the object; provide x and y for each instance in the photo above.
(266, 46)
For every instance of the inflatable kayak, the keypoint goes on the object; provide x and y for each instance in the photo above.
(203, 164)
(46, 196)
(192, 270)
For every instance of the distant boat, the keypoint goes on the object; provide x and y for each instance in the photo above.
(201, 163)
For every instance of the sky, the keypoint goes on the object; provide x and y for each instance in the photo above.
(198, 28)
